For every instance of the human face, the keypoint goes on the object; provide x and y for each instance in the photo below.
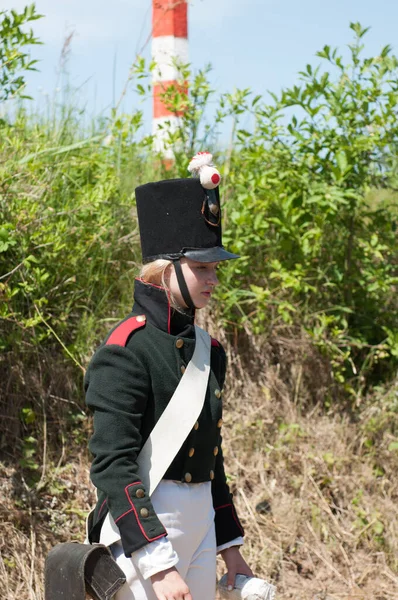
(201, 279)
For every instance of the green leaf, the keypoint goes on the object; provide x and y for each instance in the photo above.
(341, 159)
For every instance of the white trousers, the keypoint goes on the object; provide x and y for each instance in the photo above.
(186, 511)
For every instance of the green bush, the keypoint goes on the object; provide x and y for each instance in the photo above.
(69, 235)
(313, 210)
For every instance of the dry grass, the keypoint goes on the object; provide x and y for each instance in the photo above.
(33, 521)
(317, 492)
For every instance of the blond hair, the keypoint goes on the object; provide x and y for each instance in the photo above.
(155, 273)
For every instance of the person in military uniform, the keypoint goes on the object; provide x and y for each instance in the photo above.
(165, 543)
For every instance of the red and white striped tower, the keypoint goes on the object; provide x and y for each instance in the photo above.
(169, 45)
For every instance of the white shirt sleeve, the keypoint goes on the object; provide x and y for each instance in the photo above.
(154, 557)
(235, 542)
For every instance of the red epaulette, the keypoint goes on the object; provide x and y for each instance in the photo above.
(215, 343)
(123, 331)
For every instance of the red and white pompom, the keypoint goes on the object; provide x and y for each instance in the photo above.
(201, 166)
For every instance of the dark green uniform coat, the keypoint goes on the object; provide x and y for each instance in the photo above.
(129, 383)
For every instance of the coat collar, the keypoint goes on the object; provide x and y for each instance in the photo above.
(153, 301)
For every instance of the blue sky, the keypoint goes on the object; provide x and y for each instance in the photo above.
(260, 44)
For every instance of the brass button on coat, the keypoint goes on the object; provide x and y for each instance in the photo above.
(215, 451)
(140, 493)
(191, 452)
(212, 475)
(217, 394)
(179, 343)
(144, 512)
(196, 426)
(182, 369)
(188, 477)
(219, 423)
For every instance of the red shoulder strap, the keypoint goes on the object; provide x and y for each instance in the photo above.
(215, 343)
(123, 331)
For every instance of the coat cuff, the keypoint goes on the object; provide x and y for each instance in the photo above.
(227, 524)
(139, 525)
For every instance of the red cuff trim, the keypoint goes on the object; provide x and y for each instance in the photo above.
(133, 509)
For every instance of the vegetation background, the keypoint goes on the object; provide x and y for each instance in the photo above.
(308, 315)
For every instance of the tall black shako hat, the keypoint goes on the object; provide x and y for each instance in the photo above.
(182, 218)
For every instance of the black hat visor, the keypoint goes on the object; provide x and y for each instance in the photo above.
(207, 255)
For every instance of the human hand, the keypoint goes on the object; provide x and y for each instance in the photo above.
(169, 585)
(235, 564)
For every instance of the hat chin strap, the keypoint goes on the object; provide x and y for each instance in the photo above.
(183, 285)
